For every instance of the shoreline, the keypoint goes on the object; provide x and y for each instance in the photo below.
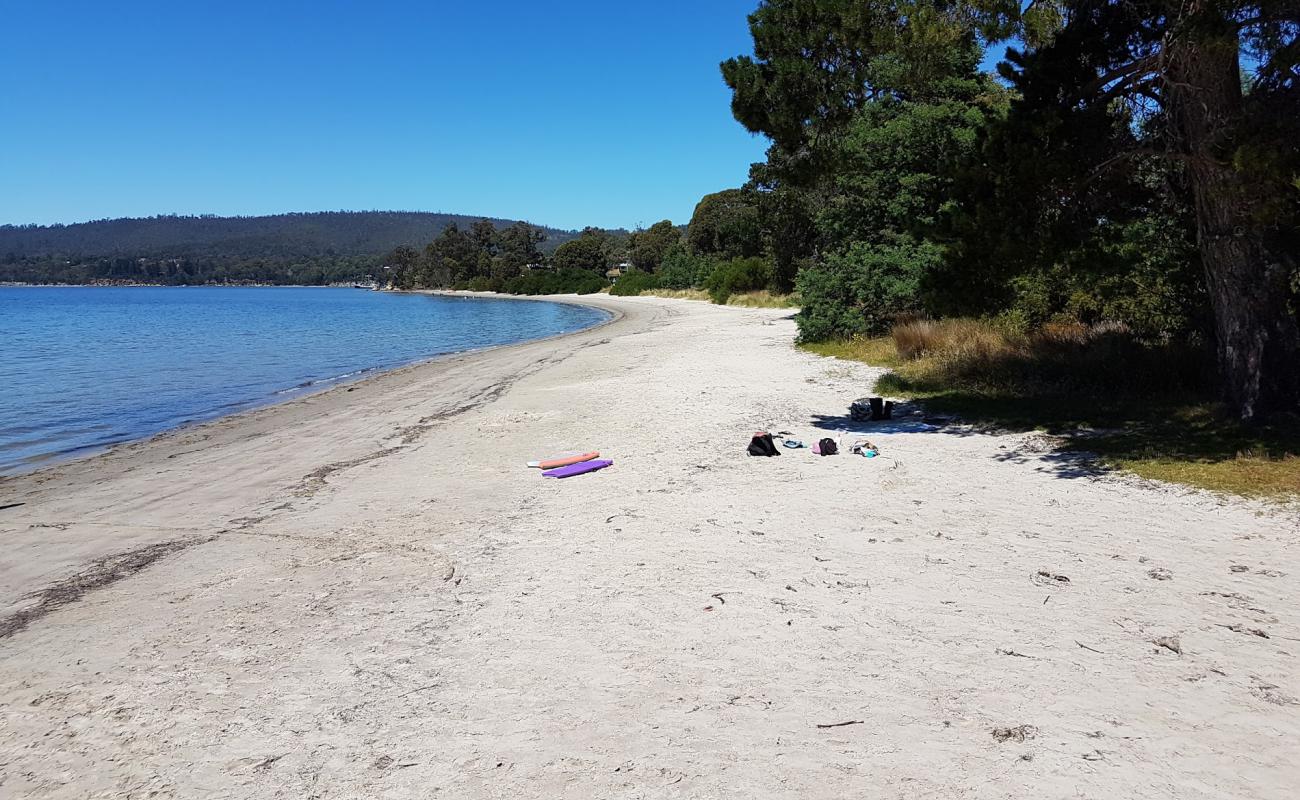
(367, 593)
(11, 285)
(336, 416)
(274, 399)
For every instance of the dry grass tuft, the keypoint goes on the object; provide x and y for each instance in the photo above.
(677, 294)
(929, 337)
(762, 299)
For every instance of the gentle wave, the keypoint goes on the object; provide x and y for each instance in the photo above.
(325, 381)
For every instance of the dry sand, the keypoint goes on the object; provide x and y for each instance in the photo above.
(363, 594)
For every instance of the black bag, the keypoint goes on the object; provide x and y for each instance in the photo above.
(762, 445)
(828, 447)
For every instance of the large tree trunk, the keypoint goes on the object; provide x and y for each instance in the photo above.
(1247, 277)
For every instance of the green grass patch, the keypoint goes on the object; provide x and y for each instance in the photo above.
(878, 352)
(1148, 413)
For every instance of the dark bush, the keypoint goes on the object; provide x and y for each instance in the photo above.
(482, 284)
(572, 281)
(682, 270)
(863, 289)
(633, 284)
(738, 275)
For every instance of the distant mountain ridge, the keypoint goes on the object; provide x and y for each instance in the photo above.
(353, 233)
(302, 248)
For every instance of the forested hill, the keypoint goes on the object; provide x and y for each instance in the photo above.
(284, 248)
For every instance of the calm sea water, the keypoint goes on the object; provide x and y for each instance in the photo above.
(82, 368)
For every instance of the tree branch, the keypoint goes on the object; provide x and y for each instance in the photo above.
(1144, 64)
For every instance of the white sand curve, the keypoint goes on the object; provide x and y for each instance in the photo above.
(365, 594)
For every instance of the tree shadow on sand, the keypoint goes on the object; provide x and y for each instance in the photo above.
(1087, 437)
(914, 418)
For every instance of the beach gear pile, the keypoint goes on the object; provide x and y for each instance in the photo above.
(763, 444)
(568, 465)
(865, 409)
(871, 409)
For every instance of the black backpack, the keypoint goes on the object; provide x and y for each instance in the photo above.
(762, 445)
(828, 447)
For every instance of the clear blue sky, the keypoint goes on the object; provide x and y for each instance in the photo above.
(565, 114)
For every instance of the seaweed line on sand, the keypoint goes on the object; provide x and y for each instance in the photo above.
(103, 572)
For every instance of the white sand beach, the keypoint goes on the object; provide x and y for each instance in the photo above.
(364, 593)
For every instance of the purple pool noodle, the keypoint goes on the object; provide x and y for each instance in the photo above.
(577, 469)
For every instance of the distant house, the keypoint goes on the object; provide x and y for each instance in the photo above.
(618, 270)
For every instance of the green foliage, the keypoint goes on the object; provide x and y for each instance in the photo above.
(896, 165)
(571, 281)
(736, 276)
(901, 180)
(1143, 273)
(485, 258)
(874, 109)
(281, 249)
(482, 283)
(1209, 89)
(683, 270)
(1050, 225)
(634, 283)
(646, 249)
(725, 225)
(864, 288)
(787, 223)
(593, 250)
(817, 61)
(518, 246)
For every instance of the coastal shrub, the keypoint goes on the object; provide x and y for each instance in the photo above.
(736, 276)
(633, 284)
(484, 284)
(569, 281)
(683, 270)
(581, 282)
(530, 283)
(864, 289)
